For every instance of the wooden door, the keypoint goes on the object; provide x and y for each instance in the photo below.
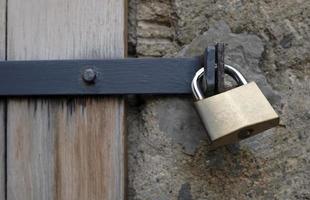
(64, 147)
(2, 103)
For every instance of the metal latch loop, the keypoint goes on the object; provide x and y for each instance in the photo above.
(233, 72)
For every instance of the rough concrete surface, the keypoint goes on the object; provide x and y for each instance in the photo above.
(268, 41)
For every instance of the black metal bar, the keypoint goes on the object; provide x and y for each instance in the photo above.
(98, 77)
(220, 50)
(209, 68)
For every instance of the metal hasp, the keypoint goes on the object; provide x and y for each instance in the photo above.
(98, 77)
(209, 77)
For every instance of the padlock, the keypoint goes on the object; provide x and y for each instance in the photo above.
(235, 114)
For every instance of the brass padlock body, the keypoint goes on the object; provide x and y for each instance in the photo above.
(236, 114)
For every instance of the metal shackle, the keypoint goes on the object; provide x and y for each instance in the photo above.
(234, 73)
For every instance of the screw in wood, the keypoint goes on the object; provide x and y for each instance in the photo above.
(89, 75)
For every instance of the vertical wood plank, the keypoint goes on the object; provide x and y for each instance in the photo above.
(69, 148)
(2, 114)
(2, 28)
(2, 152)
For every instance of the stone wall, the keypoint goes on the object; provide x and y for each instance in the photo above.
(269, 41)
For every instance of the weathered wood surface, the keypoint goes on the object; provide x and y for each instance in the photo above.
(2, 110)
(66, 148)
(2, 28)
(2, 151)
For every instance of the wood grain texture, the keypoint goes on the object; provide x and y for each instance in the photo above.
(2, 151)
(2, 104)
(2, 28)
(66, 148)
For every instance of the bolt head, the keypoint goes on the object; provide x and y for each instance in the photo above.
(89, 75)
